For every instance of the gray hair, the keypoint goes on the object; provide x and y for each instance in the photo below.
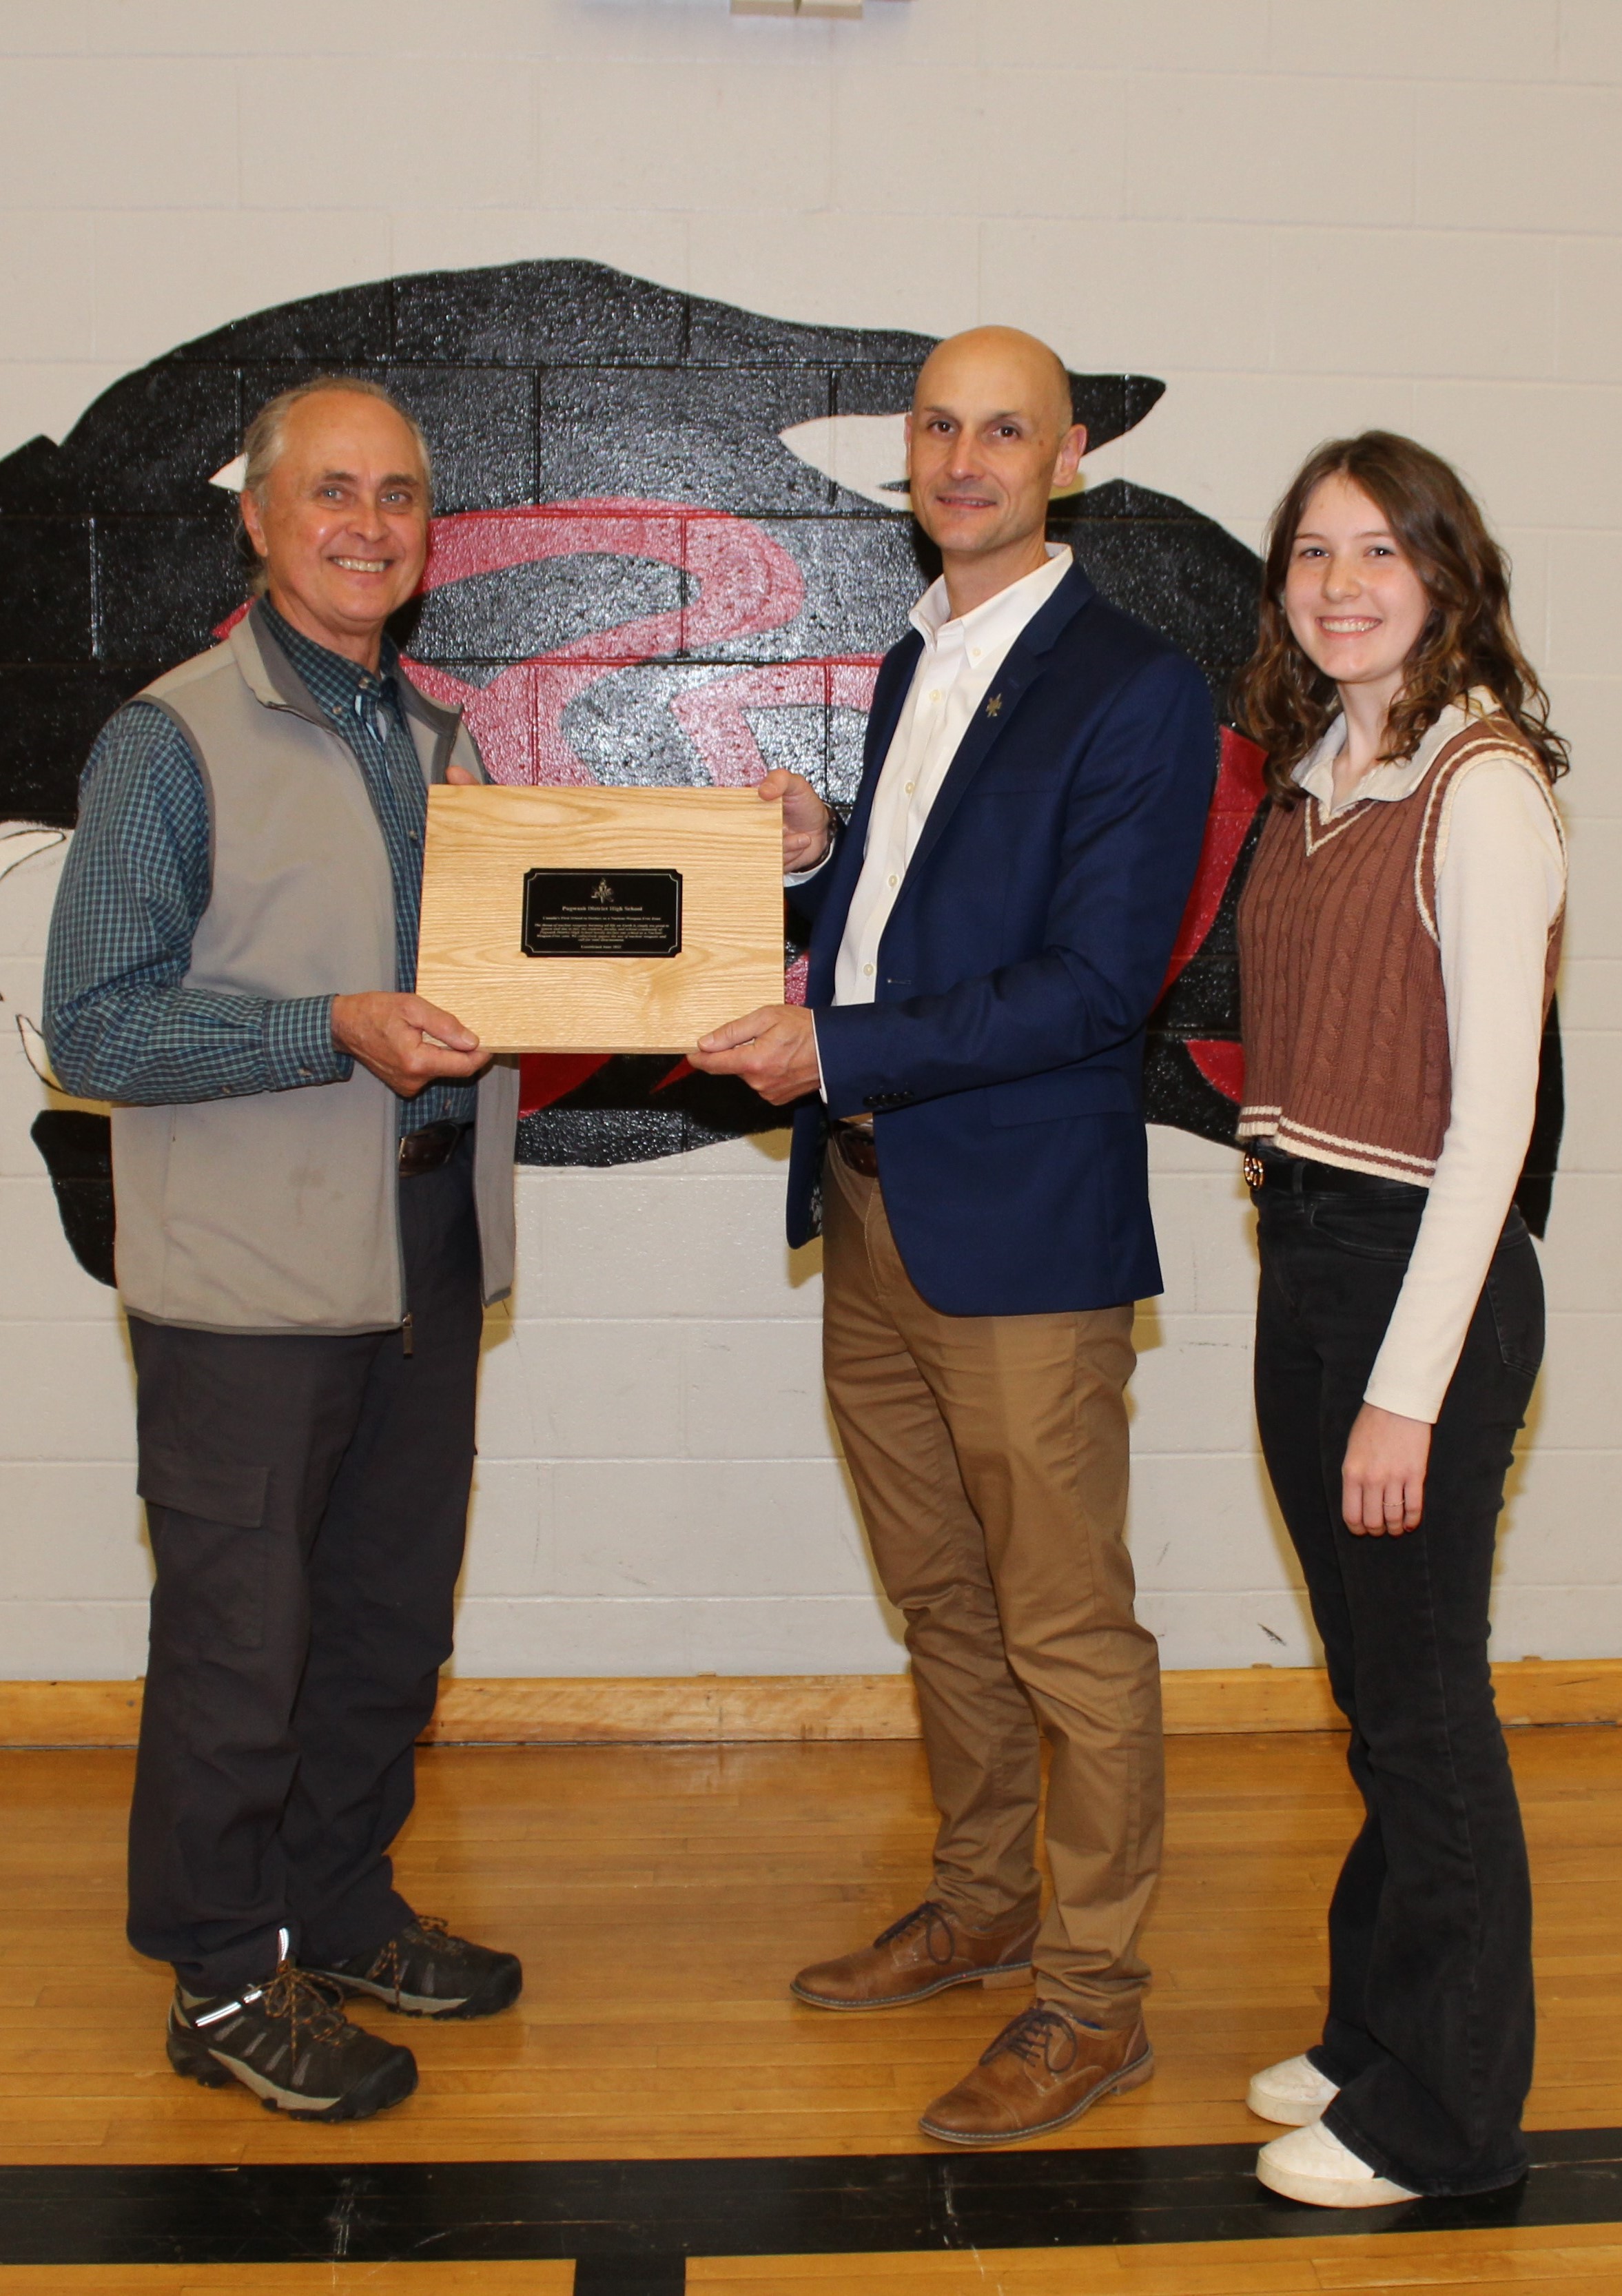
(265, 435)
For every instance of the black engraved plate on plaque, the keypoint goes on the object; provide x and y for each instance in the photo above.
(603, 913)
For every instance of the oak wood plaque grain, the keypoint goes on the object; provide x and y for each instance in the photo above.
(508, 876)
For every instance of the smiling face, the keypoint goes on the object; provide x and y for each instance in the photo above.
(1353, 598)
(989, 438)
(341, 520)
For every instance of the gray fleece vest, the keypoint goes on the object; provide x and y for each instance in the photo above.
(277, 1211)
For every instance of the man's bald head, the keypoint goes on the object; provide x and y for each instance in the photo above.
(1002, 362)
(992, 437)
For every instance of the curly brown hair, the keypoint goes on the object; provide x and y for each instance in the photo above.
(1287, 704)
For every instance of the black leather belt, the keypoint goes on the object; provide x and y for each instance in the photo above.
(1297, 1176)
(429, 1149)
(858, 1148)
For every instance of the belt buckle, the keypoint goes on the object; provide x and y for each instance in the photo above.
(429, 1149)
(1253, 1168)
(856, 1146)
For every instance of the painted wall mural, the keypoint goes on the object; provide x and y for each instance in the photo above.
(671, 546)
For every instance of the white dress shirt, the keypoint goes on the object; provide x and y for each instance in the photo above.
(1500, 883)
(956, 671)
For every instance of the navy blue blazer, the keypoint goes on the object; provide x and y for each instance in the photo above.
(1002, 1057)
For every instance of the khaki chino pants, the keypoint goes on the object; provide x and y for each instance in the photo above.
(989, 1455)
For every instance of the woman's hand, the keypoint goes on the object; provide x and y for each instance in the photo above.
(1382, 1480)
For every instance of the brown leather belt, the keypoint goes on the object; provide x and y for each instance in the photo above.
(858, 1148)
(430, 1149)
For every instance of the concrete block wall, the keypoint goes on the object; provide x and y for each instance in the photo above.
(1302, 223)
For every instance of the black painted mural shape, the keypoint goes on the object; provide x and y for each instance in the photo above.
(634, 578)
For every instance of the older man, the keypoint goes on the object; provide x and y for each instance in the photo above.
(989, 933)
(313, 1170)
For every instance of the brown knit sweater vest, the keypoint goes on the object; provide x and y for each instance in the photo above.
(1344, 1017)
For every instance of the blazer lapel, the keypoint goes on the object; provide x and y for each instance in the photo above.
(1026, 662)
(889, 699)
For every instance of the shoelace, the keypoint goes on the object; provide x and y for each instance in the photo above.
(388, 1969)
(938, 1930)
(1031, 2037)
(313, 2003)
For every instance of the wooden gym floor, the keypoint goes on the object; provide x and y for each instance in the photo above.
(660, 1897)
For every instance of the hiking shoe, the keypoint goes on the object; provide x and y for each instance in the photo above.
(425, 1972)
(288, 2042)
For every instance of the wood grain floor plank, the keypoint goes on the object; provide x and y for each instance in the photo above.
(662, 1896)
(1485, 2263)
(435, 2279)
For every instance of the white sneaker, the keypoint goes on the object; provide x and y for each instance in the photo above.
(1294, 2091)
(1311, 2164)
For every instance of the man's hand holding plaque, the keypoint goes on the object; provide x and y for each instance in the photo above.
(773, 1048)
(402, 1040)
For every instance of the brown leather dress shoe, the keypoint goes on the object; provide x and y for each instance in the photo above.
(1042, 2070)
(923, 1952)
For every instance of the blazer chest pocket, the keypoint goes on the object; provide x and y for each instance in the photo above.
(1064, 1092)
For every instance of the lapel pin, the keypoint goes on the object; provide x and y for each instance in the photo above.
(994, 705)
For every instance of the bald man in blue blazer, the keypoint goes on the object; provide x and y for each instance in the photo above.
(990, 932)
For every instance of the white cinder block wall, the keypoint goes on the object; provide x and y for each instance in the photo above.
(1304, 221)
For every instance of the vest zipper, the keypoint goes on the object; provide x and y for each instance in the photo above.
(406, 1333)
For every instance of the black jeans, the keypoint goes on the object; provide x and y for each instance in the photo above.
(1430, 2021)
(306, 1497)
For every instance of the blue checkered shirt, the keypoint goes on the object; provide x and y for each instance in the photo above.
(118, 1021)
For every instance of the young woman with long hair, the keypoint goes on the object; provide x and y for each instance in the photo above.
(1398, 937)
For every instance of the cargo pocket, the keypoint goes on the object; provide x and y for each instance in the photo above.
(211, 1544)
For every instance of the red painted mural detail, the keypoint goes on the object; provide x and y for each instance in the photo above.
(1221, 1061)
(1241, 787)
(545, 1077)
(715, 715)
(744, 583)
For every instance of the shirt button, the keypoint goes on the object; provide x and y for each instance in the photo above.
(910, 787)
(935, 697)
(894, 880)
(977, 653)
(867, 968)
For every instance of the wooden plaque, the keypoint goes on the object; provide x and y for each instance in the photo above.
(573, 920)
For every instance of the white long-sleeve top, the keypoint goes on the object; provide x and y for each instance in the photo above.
(1500, 883)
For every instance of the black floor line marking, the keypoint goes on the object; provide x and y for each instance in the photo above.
(631, 2224)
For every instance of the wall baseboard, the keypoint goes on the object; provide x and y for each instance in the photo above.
(741, 1710)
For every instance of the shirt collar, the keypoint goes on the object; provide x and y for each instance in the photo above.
(1000, 620)
(1315, 773)
(332, 676)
